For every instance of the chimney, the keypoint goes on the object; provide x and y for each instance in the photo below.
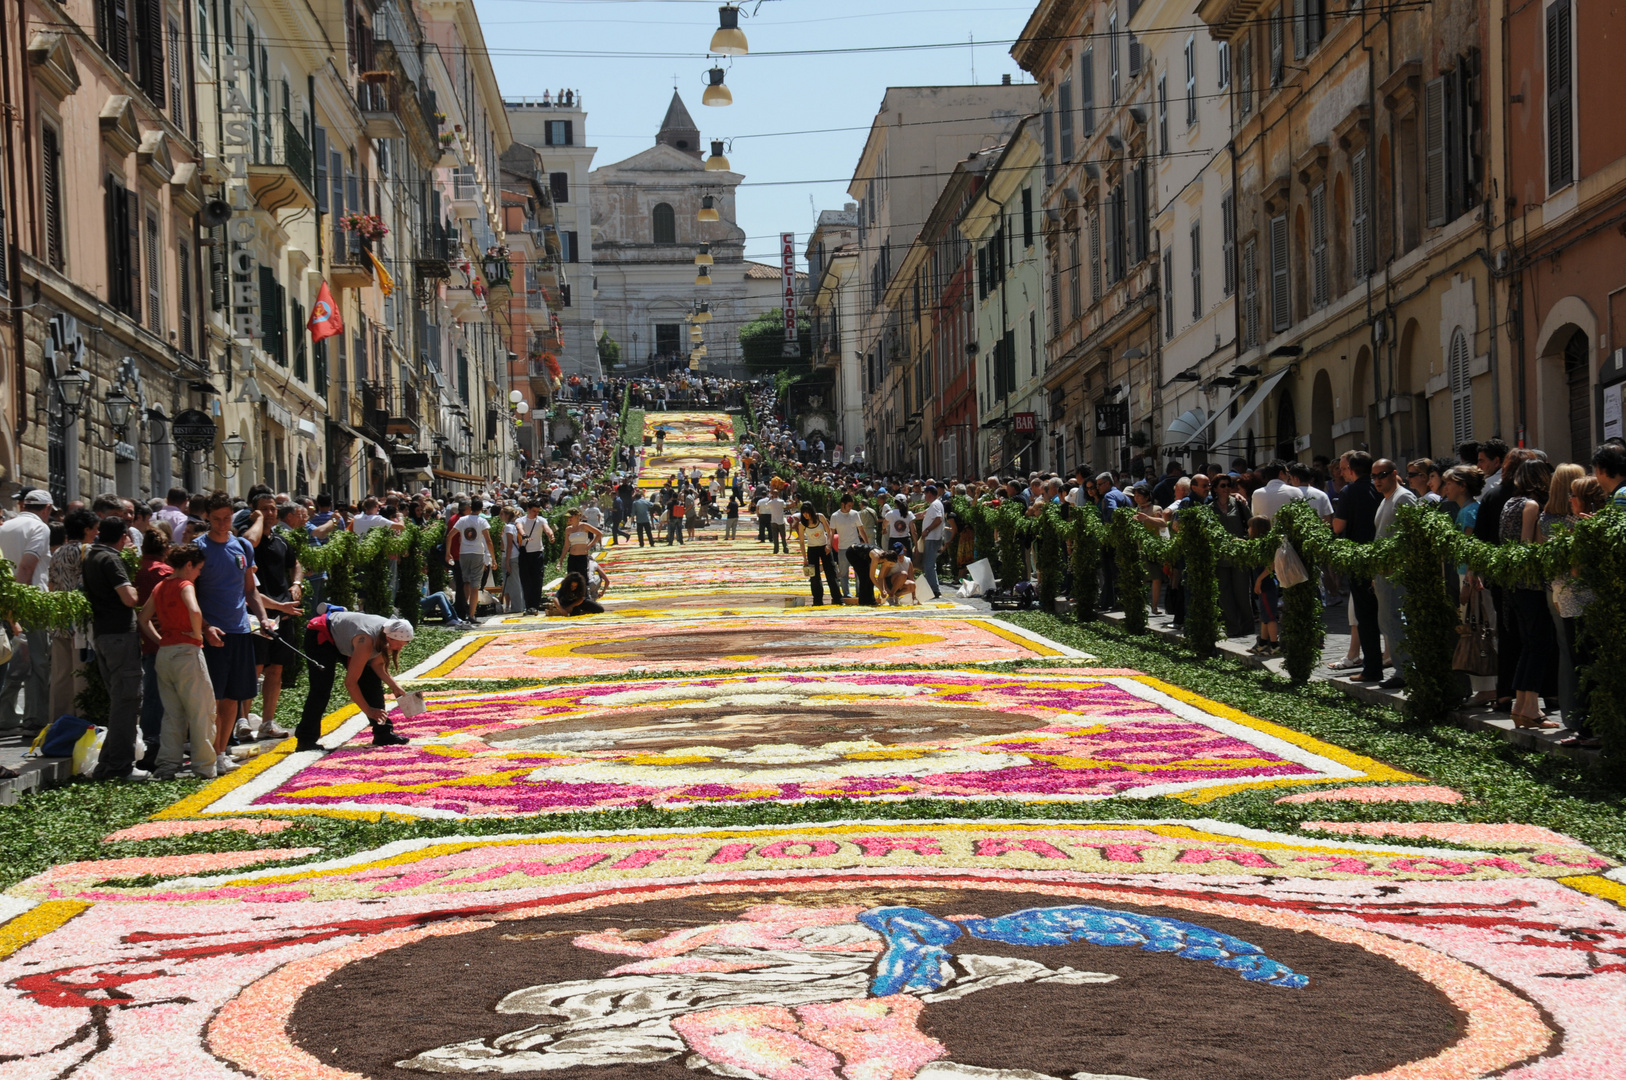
(1005, 79)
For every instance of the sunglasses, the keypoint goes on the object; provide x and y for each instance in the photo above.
(1383, 475)
(1413, 473)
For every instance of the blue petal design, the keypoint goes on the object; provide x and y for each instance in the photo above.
(915, 958)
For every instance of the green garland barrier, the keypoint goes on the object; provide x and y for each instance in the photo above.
(1200, 578)
(1047, 556)
(1087, 540)
(1132, 547)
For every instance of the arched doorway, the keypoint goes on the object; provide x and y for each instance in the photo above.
(1321, 418)
(1361, 404)
(1578, 381)
(1287, 427)
(1408, 405)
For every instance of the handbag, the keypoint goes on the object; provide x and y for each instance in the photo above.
(1476, 645)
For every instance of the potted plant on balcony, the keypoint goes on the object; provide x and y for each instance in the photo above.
(369, 227)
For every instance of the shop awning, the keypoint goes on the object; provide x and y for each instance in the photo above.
(1187, 429)
(1248, 408)
(468, 478)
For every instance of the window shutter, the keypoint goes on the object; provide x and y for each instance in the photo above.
(219, 282)
(1434, 150)
(5, 252)
(1361, 213)
(1560, 98)
(1163, 115)
(1250, 295)
(1228, 241)
(1064, 119)
(1191, 81)
(1168, 294)
(1095, 257)
(1048, 132)
(155, 290)
(1075, 280)
(271, 316)
(150, 31)
(132, 253)
(1112, 47)
(319, 143)
(570, 133)
(1086, 74)
(1134, 56)
(1462, 401)
(1027, 217)
(51, 181)
(301, 340)
(1301, 31)
(119, 33)
(559, 187)
(1319, 281)
(1244, 72)
(1276, 48)
(177, 96)
(183, 284)
(1281, 302)
(1111, 242)
(1196, 270)
(1055, 299)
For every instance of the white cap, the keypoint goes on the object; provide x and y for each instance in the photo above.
(398, 630)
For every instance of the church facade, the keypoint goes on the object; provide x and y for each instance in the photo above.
(646, 234)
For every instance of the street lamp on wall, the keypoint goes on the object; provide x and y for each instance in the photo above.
(234, 445)
(72, 385)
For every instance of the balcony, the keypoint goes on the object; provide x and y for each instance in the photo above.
(467, 204)
(283, 172)
(378, 96)
(436, 254)
(351, 268)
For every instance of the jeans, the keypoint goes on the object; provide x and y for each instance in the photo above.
(674, 528)
(29, 671)
(1366, 617)
(823, 560)
(1392, 621)
(646, 529)
(729, 529)
(928, 564)
(530, 577)
(152, 706)
(436, 603)
(118, 658)
(776, 532)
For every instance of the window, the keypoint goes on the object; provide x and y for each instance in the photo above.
(1064, 117)
(1281, 301)
(273, 317)
(51, 195)
(1114, 210)
(183, 289)
(568, 245)
(1309, 25)
(564, 295)
(1462, 399)
(1360, 225)
(200, 27)
(123, 212)
(177, 98)
(1095, 258)
(1191, 81)
(1228, 242)
(1075, 291)
(300, 340)
(1434, 152)
(1196, 270)
(1250, 295)
(1222, 56)
(1027, 217)
(1560, 95)
(666, 338)
(1276, 58)
(1134, 56)
(665, 224)
(1138, 217)
(1086, 94)
(155, 290)
(1112, 49)
(559, 187)
(1244, 63)
(1048, 133)
(559, 133)
(1168, 294)
(1320, 278)
(1163, 115)
(1033, 343)
(1055, 299)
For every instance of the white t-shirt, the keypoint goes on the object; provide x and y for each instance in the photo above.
(846, 523)
(898, 522)
(931, 521)
(1273, 496)
(530, 534)
(365, 523)
(1318, 499)
(471, 529)
(507, 531)
(27, 534)
(593, 515)
(776, 510)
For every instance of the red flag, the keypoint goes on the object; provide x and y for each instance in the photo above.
(324, 321)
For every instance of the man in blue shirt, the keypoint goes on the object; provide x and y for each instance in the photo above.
(227, 592)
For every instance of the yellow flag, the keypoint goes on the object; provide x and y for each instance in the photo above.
(385, 282)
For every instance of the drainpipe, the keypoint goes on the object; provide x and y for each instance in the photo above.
(34, 219)
(14, 271)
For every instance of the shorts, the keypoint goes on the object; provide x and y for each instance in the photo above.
(231, 668)
(1270, 600)
(278, 651)
(474, 569)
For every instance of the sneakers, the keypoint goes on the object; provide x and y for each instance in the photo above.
(203, 770)
(243, 732)
(384, 735)
(269, 730)
(224, 764)
(166, 772)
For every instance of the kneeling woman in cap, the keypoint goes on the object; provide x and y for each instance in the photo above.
(369, 646)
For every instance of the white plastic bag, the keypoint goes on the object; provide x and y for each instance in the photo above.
(87, 752)
(1290, 570)
(982, 572)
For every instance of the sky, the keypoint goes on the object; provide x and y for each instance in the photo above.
(622, 56)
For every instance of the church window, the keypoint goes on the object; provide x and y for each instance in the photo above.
(665, 224)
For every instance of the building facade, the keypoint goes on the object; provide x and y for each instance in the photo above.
(832, 300)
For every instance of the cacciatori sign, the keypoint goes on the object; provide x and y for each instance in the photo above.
(792, 348)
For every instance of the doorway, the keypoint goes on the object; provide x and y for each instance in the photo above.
(1578, 380)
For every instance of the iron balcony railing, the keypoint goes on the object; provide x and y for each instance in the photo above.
(287, 146)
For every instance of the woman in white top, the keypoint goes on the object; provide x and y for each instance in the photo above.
(513, 594)
(813, 533)
(892, 574)
(579, 540)
(900, 524)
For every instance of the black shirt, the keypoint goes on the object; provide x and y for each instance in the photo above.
(103, 573)
(1488, 525)
(571, 593)
(271, 567)
(1358, 510)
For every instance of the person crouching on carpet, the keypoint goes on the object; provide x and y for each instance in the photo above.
(813, 533)
(369, 646)
(892, 576)
(572, 598)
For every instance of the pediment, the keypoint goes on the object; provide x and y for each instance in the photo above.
(185, 189)
(54, 69)
(656, 159)
(118, 124)
(153, 157)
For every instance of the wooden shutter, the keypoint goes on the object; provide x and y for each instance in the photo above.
(1086, 74)
(219, 279)
(297, 326)
(1095, 257)
(183, 285)
(1064, 118)
(1055, 299)
(1281, 301)
(1320, 285)
(1560, 98)
(270, 315)
(570, 133)
(1228, 241)
(118, 32)
(1168, 294)
(177, 96)
(1196, 270)
(1112, 239)
(1191, 81)
(1132, 209)
(319, 152)
(5, 251)
(1276, 47)
(1163, 115)
(155, 287)
(150, 35)
(1462, 402)
(1048, 134)
(1301, 32)
(51, 181)
(1244, 71)
(1134, 56)
(1434, 150)
(1361, 214)
(1250, 294)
